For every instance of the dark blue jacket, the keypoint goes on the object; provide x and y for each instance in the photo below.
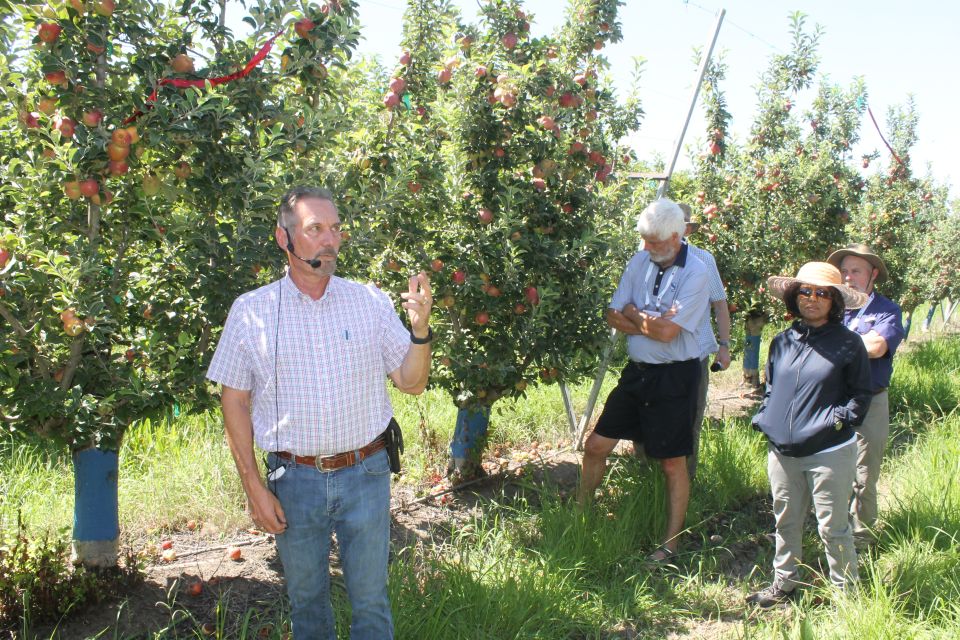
(818, 388)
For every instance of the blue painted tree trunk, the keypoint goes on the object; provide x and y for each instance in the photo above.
(470, 440)
(96, 522)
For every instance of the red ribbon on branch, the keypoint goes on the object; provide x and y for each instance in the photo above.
(899, 161)
(182, 83)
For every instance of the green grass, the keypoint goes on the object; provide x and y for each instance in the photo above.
(539, 567)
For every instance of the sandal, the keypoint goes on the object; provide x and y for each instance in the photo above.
(661, 556)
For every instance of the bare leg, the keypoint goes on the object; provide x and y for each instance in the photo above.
(595, 452)
(678, 495)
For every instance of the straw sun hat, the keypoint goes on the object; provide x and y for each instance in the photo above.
(821, 274)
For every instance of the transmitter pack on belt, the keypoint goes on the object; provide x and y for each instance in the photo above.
(393, 438)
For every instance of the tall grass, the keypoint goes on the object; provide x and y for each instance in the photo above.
(539, 567)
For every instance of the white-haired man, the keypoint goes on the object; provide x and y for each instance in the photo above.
(660, 304)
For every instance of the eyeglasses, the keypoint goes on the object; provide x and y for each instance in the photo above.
(820, 293)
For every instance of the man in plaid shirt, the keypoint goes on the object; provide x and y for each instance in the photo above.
(303, 363)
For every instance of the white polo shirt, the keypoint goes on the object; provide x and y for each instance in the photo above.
(316, 369)
(681, 286)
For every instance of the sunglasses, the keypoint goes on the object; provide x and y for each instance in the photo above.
(806, 292)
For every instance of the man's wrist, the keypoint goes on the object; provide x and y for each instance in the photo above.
(424, 337)
(723, 343)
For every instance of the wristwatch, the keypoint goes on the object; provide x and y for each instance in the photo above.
(723, 343)
(415, 340)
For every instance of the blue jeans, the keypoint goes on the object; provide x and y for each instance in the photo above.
(354, 502)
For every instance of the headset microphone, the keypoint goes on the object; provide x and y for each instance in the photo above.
(314, 263)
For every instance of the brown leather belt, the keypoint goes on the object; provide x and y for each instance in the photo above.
(338, 461)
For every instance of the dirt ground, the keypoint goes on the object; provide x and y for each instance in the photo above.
(164, 599)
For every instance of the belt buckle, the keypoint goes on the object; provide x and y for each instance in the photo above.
(350, 458)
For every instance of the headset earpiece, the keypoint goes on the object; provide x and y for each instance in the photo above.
(289, 239)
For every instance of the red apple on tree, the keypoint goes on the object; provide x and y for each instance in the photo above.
(30, 119)
(509, 40)
(182, 171)
(405, 58)
(89, 187)
(546, 122)
(414, 186)
(118, 167)
(482, 318)
(92, 118)
(116, 152)
(391, 100)
(444, 75)
(66, 127)
(397, 85)
(47, 105)
(569, 100)
(436, 264)
(182, 63)
(72, 190)
(121, 137)
(485, 215)
(104, 8)
(4, 257)
(459, 277)
(58, 78)
(303, 27)
(49, 32)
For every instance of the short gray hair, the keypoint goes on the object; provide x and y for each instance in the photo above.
(661, 219)
(289, 200)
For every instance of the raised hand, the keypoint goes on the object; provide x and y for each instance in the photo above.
(418, 301)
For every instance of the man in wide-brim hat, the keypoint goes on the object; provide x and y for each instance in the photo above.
(879, 323)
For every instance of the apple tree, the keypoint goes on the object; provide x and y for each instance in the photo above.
(900, 215)
(490, 165)
(784, 196)
(143, 151)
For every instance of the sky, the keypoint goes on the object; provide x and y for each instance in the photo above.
(900, 48)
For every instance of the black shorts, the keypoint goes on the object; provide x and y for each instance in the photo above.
(655, 405)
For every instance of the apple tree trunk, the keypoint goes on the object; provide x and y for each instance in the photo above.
(96, 527)
(469, 441)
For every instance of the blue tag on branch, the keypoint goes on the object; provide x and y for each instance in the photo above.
(176, 410)
(406, 101)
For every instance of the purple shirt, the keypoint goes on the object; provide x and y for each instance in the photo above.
(883, 316)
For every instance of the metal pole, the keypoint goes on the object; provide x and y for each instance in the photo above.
(704, 61)
(605, 360)
(568, 405)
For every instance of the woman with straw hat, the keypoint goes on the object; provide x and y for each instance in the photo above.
(817, 391)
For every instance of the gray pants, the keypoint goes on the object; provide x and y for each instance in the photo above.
(698, 418)
(871, 445)
(826, 479)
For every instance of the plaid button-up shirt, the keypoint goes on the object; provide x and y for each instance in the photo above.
(316, 369)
